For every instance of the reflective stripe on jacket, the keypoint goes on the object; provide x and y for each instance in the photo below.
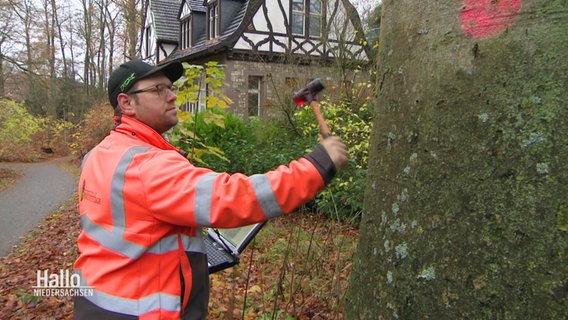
(142, 206)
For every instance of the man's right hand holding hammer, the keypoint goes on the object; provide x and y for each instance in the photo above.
(332, 144)
(336, 150)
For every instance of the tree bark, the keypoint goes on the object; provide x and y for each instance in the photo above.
(465, 213)
(132, 17)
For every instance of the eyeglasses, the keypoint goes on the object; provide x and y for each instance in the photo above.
(161, 89)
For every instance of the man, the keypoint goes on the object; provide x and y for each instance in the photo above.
(142, 205)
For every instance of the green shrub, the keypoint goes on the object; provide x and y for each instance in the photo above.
(343, 198)
(18, 133)
(186, 135)
(251, 148)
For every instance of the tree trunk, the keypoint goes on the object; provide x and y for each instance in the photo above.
(62, 44)
(87, 7)
(466, 209)
(132, 16)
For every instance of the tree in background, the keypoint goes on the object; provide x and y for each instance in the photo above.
(465, 213)
(133, 17)
(59, 57)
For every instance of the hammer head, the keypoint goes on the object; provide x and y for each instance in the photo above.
(309, 92)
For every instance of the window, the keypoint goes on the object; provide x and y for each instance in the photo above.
(306, 15)
(253, 93)
(185, 35)
(298, 13)
(213, 15)
(314, 22)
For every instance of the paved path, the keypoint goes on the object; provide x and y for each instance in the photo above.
(40, 190)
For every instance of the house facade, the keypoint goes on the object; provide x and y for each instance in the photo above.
(269, 49)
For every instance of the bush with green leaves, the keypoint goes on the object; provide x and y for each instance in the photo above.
(18, 132)
(186, 135)
(250, 148)
(343, 198)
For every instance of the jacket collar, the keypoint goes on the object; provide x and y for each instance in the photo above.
(141, 131)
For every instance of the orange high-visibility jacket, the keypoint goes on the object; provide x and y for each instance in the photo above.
(142, 206)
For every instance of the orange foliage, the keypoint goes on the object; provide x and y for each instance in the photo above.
(96, 125)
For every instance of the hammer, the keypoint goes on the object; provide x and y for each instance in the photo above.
(308, 95)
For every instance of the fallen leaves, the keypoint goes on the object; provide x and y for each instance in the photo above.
(296, 268)
(52, 247)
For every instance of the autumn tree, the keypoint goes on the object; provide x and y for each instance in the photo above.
(465, 213)
(57, 56)
(132, 13)
(6, 28)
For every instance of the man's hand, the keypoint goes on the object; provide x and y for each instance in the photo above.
(336, 150)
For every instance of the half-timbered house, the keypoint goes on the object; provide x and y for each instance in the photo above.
(269, 48)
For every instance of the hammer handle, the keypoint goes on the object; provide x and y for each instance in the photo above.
(324, 129)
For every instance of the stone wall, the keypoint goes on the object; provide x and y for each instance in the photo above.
(279, 82)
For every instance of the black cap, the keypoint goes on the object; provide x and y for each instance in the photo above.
(124, 77)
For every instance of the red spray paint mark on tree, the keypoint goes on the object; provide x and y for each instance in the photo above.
(484, 18)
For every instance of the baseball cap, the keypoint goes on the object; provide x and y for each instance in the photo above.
(125, 76)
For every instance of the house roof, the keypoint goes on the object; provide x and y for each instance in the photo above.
(166, 22)
(197, 5)
(166, 11)
(239, 20)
